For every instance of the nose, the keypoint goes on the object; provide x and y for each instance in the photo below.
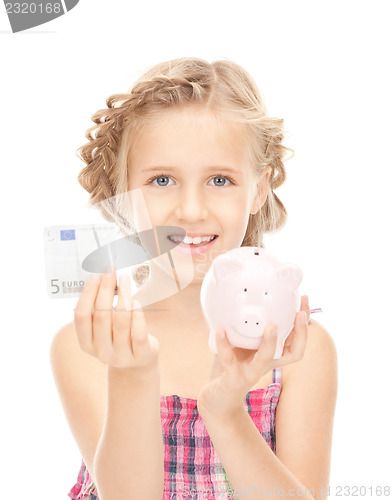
(191, 205)
(251, 322)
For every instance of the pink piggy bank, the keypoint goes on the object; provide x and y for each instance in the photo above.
(245, 289)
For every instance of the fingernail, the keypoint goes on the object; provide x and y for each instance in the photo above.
(303, 318)
(306, 301)
(94, 278)
(136, 304)
(109, 270)
(221, 334)
(125, 289)
(124, 280)
(274, 331)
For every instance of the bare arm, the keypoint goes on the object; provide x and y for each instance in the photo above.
(106, 370)
(129, 458)
(304, 424)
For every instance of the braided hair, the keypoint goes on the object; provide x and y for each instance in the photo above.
(222, 86)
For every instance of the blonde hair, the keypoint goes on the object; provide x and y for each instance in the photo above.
(221, 86)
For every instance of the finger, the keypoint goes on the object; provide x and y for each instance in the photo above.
(288, 339)
(290, 336)
(266, 351)
(216, 368)
(124, 294)
(104, 301)
(83, 313)
(103, 312)
(225, 350)
(296, 350)
(305, 306)
(139, 330)
(122, 317)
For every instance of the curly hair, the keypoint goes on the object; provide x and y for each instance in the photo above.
(221, 86)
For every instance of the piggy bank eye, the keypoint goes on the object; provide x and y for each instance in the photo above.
(245, 289)
(265, 293)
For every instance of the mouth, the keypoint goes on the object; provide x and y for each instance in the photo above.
(192, 242)
(241, 334)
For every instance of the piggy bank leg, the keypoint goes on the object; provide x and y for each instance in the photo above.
(212, 342)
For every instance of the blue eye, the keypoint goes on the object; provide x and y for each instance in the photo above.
(221, 177)
(159, 178)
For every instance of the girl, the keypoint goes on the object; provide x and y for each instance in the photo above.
(155, 414)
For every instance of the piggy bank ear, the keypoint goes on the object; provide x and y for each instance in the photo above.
(224, 267)
(289, 276)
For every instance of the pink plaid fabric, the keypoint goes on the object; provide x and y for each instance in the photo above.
(192, 467)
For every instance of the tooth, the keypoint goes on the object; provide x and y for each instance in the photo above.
(189, 240)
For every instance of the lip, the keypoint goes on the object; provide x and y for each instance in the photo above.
(193, 235)
(242, 335)
(188, 249)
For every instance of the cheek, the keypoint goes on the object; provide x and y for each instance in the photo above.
(232, 210)
(236, 209)
(143, 211)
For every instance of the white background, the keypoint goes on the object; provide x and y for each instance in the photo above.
(325, 69)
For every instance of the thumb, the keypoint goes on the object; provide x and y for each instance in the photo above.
(138, 323)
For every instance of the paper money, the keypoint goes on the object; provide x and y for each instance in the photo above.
(65, 249)
(75, 252)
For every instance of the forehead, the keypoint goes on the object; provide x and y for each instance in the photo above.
(190, 134)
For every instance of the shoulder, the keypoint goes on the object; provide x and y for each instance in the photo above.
(76, 373)
(319, 343)
(320, 347)
(305, 413)
(64, 339)
(68, 361)
(81, 384)
(320, 357)
(63, 349)
(65, 344)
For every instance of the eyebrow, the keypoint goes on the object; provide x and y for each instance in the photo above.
(207, 169)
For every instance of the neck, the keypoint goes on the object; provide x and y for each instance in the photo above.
(160, 295)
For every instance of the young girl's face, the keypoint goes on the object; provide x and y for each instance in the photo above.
(195, 172)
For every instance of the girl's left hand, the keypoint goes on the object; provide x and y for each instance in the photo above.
(235, 370)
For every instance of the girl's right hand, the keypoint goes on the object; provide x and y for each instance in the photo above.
(116, 336)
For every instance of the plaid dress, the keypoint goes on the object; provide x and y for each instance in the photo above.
(192, 467)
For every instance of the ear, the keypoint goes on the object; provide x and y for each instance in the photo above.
(225, 266)
(289, 276)
(261, 191)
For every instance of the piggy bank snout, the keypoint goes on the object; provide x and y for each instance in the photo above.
(251, 323)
